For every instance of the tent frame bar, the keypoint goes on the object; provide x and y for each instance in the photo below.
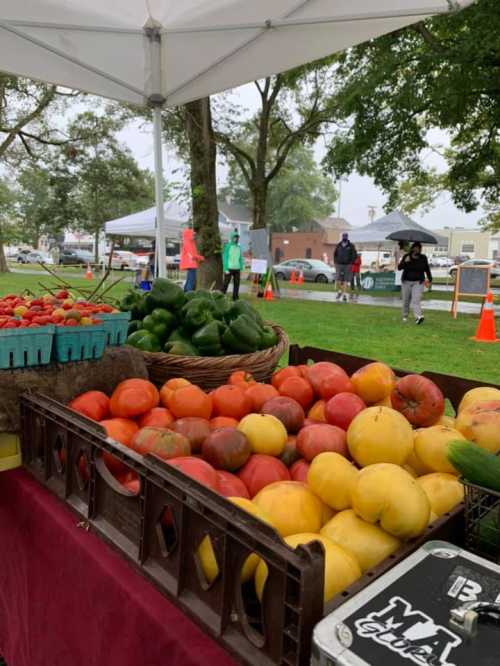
(452, 6)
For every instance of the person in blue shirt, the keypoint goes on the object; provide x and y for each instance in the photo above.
(232, 262)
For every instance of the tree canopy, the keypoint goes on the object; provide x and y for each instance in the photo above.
(298, 194)
(439, 74)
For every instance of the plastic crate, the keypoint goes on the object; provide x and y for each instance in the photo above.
(10, 452)
(482, 521)
(116, 326)
(79, 343)
(277, 632)
(24, 347)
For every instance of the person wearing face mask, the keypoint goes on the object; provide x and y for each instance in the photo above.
(343, 257)
(416, 276)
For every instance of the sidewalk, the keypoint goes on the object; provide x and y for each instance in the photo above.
(391, 302)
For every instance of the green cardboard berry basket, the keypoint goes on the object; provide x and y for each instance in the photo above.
(24, 347)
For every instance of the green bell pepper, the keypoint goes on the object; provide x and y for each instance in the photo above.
(134, 302)
(221, 305)
(165, 294)
(199, 293)
(268, 338)
(243, 308)
(158, 328)
(208, 339)
(242, 335)
(144, 340)
(134, 325)
(180, 348)
(196, 314)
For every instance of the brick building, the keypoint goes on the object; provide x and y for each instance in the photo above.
(315, 240)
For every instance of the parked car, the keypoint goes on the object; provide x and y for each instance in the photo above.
(313, 270)
(74, 257)
(123, 260)
(21, 256)
(493, 263)
(37, 257)
(442, 262)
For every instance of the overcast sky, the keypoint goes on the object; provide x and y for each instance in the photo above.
(357, 193)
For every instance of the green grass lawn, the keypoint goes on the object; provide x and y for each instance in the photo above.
(441, 344)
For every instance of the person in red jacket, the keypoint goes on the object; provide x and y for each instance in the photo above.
(190, 259)
(356, 278)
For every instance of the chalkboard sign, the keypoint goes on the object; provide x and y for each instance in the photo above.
(471, 281)
(474, 280)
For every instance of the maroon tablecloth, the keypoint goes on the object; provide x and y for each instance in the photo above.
(67, 599)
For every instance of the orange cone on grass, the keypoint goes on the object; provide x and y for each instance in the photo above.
(486, 329)
(88, 273)
(301, 278)
(268, 292)
(293, 279)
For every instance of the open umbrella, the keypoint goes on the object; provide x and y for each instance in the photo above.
(169, 52)
(413, 236)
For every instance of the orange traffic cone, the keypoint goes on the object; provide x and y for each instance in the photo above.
(301, 278)
(293, 279)
(88, 273)
(486, 329)
(268, 292)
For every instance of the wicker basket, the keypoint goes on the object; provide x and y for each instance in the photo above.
(208, 372)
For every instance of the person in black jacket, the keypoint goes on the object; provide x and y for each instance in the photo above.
(343, 257)
(416, 276)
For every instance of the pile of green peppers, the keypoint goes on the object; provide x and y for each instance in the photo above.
(200, 323)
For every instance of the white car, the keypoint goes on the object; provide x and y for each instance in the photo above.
(123, 260)
(441, 262)
(494, 264)
(37, 257)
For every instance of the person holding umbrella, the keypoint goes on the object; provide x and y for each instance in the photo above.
(416, 276)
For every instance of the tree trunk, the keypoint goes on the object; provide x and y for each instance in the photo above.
(3, 261)
(259, 195)
(203, 154)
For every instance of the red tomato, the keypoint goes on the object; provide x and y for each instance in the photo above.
(230, 485)
(133, 397)
(197, 469)
(92, 404)
(279, 376)
(299, 389)
(260, 470)
(299, 469)
(342, 408)
(158, 416)
(315, 439)
(230, 400)
(328, 379)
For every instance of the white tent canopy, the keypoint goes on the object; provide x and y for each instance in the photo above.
(143, 224)
(174, 51)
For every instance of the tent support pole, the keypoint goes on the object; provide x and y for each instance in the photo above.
(161, 267)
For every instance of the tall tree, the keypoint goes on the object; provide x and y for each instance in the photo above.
(45, 200)
(107, 181)
(298, 194)
(25, 107)
(203, 156)
(443, 73)
(7, 228)
(294, 109)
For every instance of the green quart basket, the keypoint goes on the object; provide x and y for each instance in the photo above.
(79, 343)
(24, 347)
(116, 326)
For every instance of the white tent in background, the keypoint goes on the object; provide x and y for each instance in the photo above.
(143, 224)
(174, 51)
